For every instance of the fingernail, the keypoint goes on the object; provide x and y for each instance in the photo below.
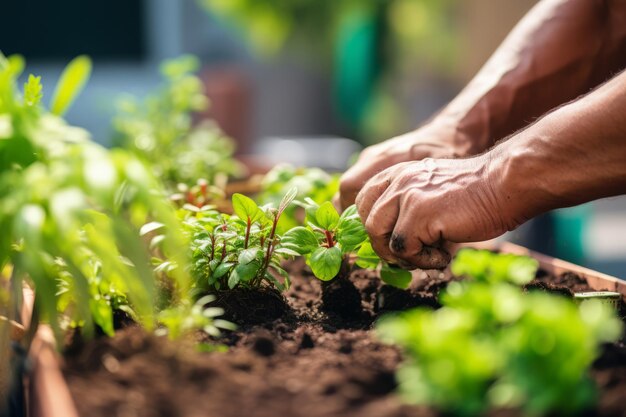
(396, 243)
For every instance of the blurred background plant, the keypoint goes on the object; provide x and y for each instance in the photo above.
(70, 211)
(161, 130)
(493, 346)
(362, 43)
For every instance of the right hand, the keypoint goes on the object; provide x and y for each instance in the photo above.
(434, 140)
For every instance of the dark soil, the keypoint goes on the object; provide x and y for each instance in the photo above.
(307, 362)
(247, 306)
(340, 296)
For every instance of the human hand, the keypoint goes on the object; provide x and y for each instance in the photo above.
(414, 210)
(434, 140)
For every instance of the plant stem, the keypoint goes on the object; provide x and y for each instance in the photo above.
(245, 243)
(329, 238)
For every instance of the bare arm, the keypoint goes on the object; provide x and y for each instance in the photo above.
(560, 50)
(573, 155)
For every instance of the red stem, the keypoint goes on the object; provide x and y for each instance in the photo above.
(329, 238)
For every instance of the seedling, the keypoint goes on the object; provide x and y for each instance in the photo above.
(239, 251)
(487, 266)
(311, 183)
(161, 131)
(493, 346)
(70, 212)
(329, 239)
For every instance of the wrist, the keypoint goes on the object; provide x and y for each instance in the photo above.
(522, 178)
(466, 136)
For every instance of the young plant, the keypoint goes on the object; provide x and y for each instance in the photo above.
(493, 346)
(329, 239)
(70, 210)
(161, 131)
(487, 266)
(244, 250)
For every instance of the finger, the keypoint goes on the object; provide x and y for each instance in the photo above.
(379, 225)
(337, 203)
(371, 192)
(430, 257)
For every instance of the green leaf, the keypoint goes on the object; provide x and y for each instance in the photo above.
(271, 278)
(300, 239)
(395, 276)
(327, 216)
(245, 208)
(248, 255)
(150, 227)
(70, 84)
(286, 251)
(222, 269)
(367, 258)
(102, 315)
(325, 262)
(351, 235)
(287, 199)
(243, 273)
(33, 91)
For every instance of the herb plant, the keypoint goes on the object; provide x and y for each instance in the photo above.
(329, 239)
(70, 210)
(161, 131)
(312, 183)
(493, 346)
(243, 250)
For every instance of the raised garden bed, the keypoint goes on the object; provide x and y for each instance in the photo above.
(308, 362)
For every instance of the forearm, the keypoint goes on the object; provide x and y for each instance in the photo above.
(560, 50)
(573, 155)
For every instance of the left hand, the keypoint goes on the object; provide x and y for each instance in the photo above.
(414, 210)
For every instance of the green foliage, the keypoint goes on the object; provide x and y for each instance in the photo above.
(329, 238)
(487, 266)
(71, 83)
(160, 130)
(180, 321)
(33, 91)
(239, 251)
(70, 211)
(493, 346)
(312, 183)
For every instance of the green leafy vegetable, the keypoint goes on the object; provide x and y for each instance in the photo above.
(493, 346)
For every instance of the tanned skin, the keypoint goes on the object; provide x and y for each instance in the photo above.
(415, 200)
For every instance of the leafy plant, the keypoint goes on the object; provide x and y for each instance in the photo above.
(328, 239)
(312, 183)
(487, 266)
(238, 251)
(179, 321)
(493, 346)
(161, 131)
(70, 210)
